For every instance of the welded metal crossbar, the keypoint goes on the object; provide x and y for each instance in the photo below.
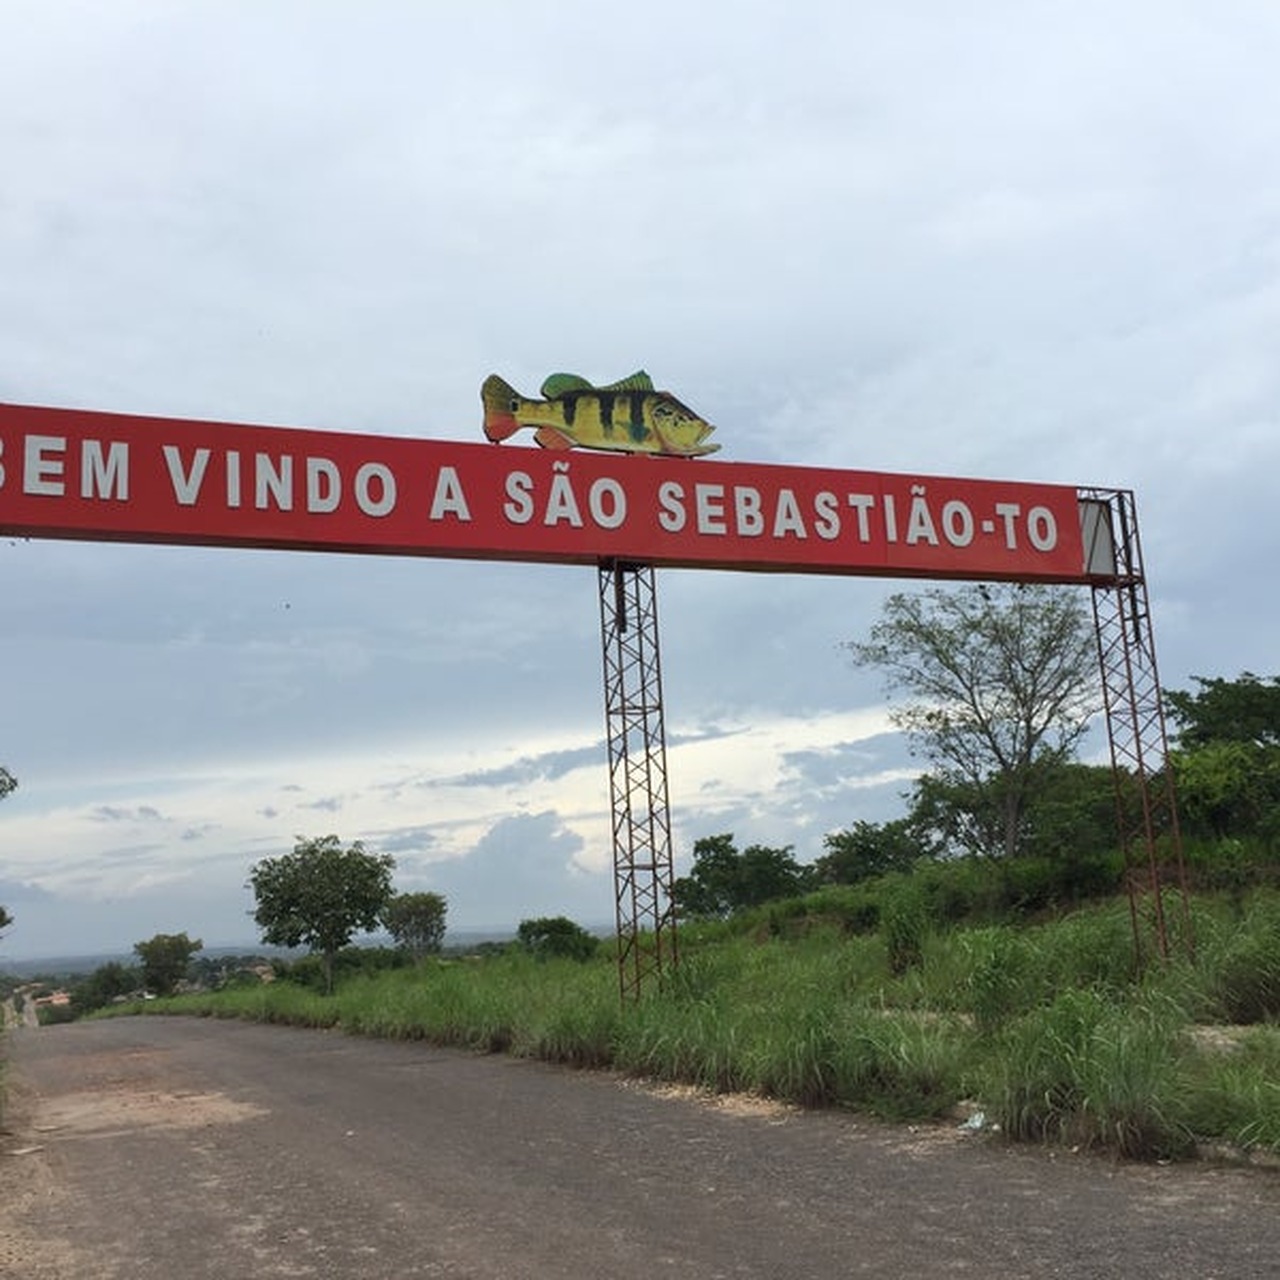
(642, 858)
(1146, 805)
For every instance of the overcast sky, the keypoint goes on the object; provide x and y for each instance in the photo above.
(1031, 241)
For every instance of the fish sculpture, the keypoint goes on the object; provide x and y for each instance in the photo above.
(628, 416)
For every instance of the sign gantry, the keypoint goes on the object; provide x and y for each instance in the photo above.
(68, 473)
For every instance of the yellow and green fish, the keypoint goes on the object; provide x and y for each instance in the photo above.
(628, 416)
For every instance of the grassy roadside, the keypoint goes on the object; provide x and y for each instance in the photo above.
(1044, 1031)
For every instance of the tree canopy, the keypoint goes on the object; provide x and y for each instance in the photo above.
(549, 936)
(724, 880)
(1227, 758)
(1000, 683)
(165, 960)
(104, 985)
(416, 922)
(866, 850)
(320, 895)
(1246, 709)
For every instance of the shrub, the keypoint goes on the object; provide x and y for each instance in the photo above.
(311, 971)
(550, 936)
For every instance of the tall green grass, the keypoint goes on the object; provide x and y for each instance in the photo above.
(1087, 1072)
(1049, 1029)
(1235, 1092)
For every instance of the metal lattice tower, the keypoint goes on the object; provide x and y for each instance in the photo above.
(1146, 806)
(642, 860)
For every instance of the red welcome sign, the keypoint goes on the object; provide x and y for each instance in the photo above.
(68, 473)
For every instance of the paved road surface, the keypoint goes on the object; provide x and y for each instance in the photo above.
(177, 1149)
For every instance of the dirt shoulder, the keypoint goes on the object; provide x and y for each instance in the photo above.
(31, 1191)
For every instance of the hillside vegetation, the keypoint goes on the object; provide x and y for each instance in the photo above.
(1044, 1030)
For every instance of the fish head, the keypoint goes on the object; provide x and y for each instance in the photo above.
(501, 404)
(681, 431)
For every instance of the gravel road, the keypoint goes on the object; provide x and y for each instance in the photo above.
(157, 1148)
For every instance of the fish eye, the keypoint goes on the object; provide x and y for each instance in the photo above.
(514, 404)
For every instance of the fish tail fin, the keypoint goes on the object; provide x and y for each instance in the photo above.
(499, 399)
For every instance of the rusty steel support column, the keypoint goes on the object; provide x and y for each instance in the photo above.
(1146, 803)
(642, 858)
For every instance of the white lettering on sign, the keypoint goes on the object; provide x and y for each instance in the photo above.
(562, 504)
(324, 486)
(787, 518)
(104, 476)
(519, 505)
(1009, 512)
(920, 521)
(827, 526)
(862, 504)
(272, 482)
(747, 514)
(42, 474)
(274, 478)
(449, 499)
(370, 474)
(1042, 529)
(606, 500)
(957, 523)
(612, 514)
(671, 501)
(890, 519)
(104, 471)
(708, 502)
(186, 484)
(1040, 523)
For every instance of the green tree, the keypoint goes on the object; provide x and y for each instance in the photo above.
(1001, 682)
(165, 960)
(868, 849)
(709, 888)
(416, 922)
(1228, 788)
(1073, 813)
(320, 895)
(1070, 812)
(556, 936)
(103, 986)
(1246, 709)
(1227, 758)
(723, 881)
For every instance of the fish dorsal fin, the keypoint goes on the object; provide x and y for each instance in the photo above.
(559, 384)
(638, 381)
